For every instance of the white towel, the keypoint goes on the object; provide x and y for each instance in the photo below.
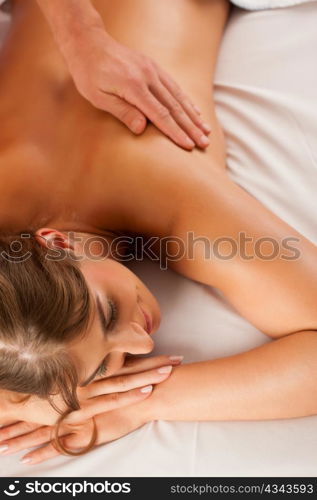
(267, 4)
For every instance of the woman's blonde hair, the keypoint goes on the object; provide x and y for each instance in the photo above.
(44, 304)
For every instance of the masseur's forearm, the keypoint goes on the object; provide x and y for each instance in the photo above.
(69, 19)
(274, 381)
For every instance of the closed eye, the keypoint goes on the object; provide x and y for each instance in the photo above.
(113, 314)
(108, 322)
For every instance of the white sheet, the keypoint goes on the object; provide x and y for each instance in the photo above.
(266, 99)
(266, 4)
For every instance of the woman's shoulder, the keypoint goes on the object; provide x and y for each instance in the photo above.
(160, 176)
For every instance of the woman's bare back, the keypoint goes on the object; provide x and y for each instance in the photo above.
(82, 167)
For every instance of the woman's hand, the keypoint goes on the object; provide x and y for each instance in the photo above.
(116, 400)
(122, 388)
(119, 80)
(110, 426)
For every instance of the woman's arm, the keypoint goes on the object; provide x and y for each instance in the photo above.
(277, 380)
(119, 80)
(273, 381)
(266, 269)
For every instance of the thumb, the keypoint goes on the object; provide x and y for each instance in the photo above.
(126, 113)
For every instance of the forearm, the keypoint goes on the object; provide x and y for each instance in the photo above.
(277, 380)
(70, 20)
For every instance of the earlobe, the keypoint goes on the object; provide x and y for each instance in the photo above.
(51, 238)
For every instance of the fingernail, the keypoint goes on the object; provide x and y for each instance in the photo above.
(196, 108)
(148, 388)
(4, 448)
(165, 369)
(204, 141)
(190, 143)
(176, 359)
(206, 127)
(25, 460)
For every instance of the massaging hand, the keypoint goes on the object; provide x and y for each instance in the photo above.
(132, 87)
(113, 399)
(120, 80)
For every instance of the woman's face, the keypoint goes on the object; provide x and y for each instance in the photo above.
(124, 316)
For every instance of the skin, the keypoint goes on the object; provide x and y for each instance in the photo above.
(121, 81)
(89, 194)
(111, 176)
(128, 332)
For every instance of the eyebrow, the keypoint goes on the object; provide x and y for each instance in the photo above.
(103, 322)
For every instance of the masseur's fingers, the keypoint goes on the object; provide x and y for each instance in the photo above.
(184, 100)
(125, 112)
(180, 115)
(162, 118)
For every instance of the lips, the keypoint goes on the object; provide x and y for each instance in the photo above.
(148, 322)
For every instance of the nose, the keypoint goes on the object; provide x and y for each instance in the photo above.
(132, 338)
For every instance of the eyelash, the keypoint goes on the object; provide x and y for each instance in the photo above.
(113, 318)
(102, 370)
(113, 314)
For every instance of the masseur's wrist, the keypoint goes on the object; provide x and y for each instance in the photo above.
(72, 22)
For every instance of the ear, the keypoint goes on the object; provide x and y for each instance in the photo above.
(51, 238)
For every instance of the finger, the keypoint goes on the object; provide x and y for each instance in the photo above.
(180, 115)
(7, 423)
(69, 441)
(107, 402)
(34, 438)
(123, 383)
(134, 364)
(162, 118)
(17, 429)
(40, 455)
(192, 110)
(125, 112)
